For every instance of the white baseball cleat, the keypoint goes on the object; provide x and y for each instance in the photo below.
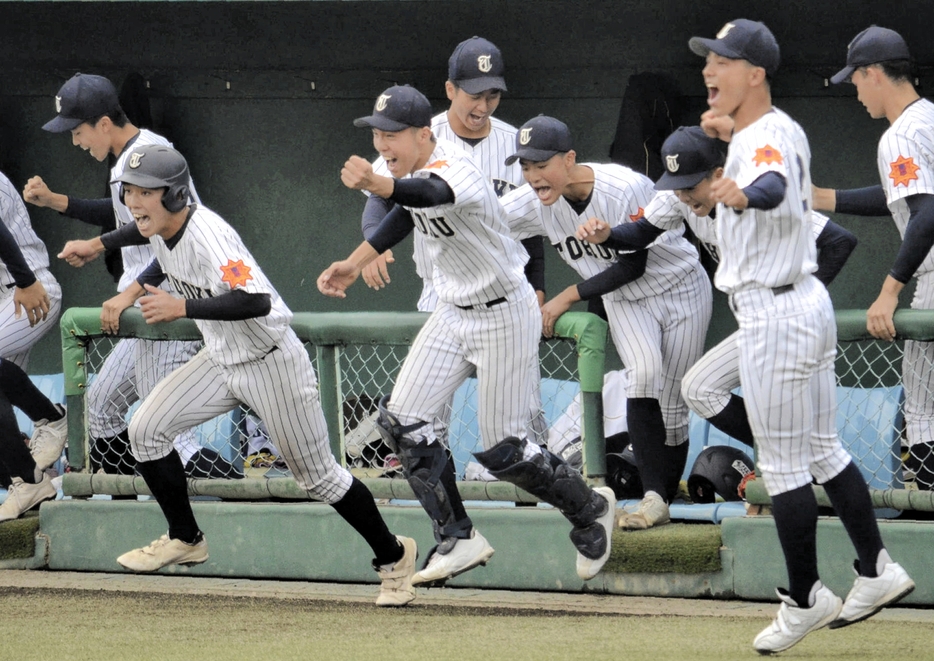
(165, 551)
(48, 441)
(396, 587)
(652, 511)
(466, 554)
(586, 567)
(23, 496)
(870, 595)
(792, 623)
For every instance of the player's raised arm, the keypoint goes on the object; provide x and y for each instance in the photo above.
(38, 193)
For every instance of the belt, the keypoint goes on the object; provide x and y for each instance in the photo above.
(488, 304)
(784, 289)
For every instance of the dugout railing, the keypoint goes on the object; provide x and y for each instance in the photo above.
(356, 356)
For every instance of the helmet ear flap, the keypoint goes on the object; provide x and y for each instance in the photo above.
(120, 194)
(175, 198)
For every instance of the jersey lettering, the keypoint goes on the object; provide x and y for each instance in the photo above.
(575, 249)
(187, 290)
(435, 227)
(501, 186)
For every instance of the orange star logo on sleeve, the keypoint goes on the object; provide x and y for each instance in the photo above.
(640, 213)
(767, 155)
(236, 273)
(436, 165)
(903, 170)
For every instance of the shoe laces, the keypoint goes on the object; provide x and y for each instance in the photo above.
(156, 544)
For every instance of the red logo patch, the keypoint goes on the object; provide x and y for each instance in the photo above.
(236, 273)
(767, 155)
(903, 170)
(637, 215)
(436, 165)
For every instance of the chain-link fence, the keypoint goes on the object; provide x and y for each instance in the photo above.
(356, 356)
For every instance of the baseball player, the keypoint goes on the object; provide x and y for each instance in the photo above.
(787, 337)
(693, 162)
(251, 356)
(89, 108)
(487, 319)
(657, 322)
(474, 87)
(879, 65)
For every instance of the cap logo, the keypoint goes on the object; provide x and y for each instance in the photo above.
(485, 63)
(136, 159)
(725, 30)
(382, 101)
(525, 135)
(671, 162)
(58, 104)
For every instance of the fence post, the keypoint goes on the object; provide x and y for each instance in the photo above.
(331, 397)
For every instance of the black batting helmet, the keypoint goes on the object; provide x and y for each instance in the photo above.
(718, 471)
(622, 474)
(155, 166)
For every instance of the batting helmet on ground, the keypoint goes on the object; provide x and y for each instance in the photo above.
(718, 471)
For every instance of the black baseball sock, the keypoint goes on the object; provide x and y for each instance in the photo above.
(795, 515)
(675, 457)
(24, 395)
(14, 453)
(734, 421)
(647, 433)
(851, 501)
(166, 480)
(358, 508)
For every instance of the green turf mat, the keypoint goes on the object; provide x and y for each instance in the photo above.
(681, 548)
(18, 537)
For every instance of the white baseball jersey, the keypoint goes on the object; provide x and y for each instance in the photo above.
(619, 195)
(211, 260)
(259, 362)
(17, 337)
(490, 155)
(135, 258)
(787, 336)
(767, 248)
(906, 167)
(906, 164)
(475, 259)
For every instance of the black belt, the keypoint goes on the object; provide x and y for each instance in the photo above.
(488, 304)
(784, 289)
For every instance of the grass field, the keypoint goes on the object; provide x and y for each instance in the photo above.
(66, 624)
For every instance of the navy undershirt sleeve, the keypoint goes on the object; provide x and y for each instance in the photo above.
(535, 267)
(233, 306)
(834, 245)
(98, 212)
(151, 275)
(12, 257)
(869, 201)
(633, 236)
(421, 193)
(375, 210)
(397, 225)
(918, 239)
(628, 267)
(128, 235)
(766, 192)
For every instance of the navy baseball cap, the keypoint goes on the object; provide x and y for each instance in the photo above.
(540, 138)
(400, 107)
(689, 155)
(81, 99)
(476, 65)
(742, 39)
(871, 46)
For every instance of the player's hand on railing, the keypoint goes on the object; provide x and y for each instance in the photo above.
(37, 192)
(556, 307)
(336, 278)
(160, 306)
(376, 273)
(34, 300)
(593, 230)
(112, 308)
(79, 252)
(880, 316)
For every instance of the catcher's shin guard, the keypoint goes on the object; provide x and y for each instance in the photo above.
(429, 470)
(549, 478)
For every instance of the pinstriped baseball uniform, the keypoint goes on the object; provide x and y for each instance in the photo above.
(489, 154)
(477, 265)
(657, 322)
(787, 331)
(134, 366)
(16, 336)
(259, 362)
(906, 167)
